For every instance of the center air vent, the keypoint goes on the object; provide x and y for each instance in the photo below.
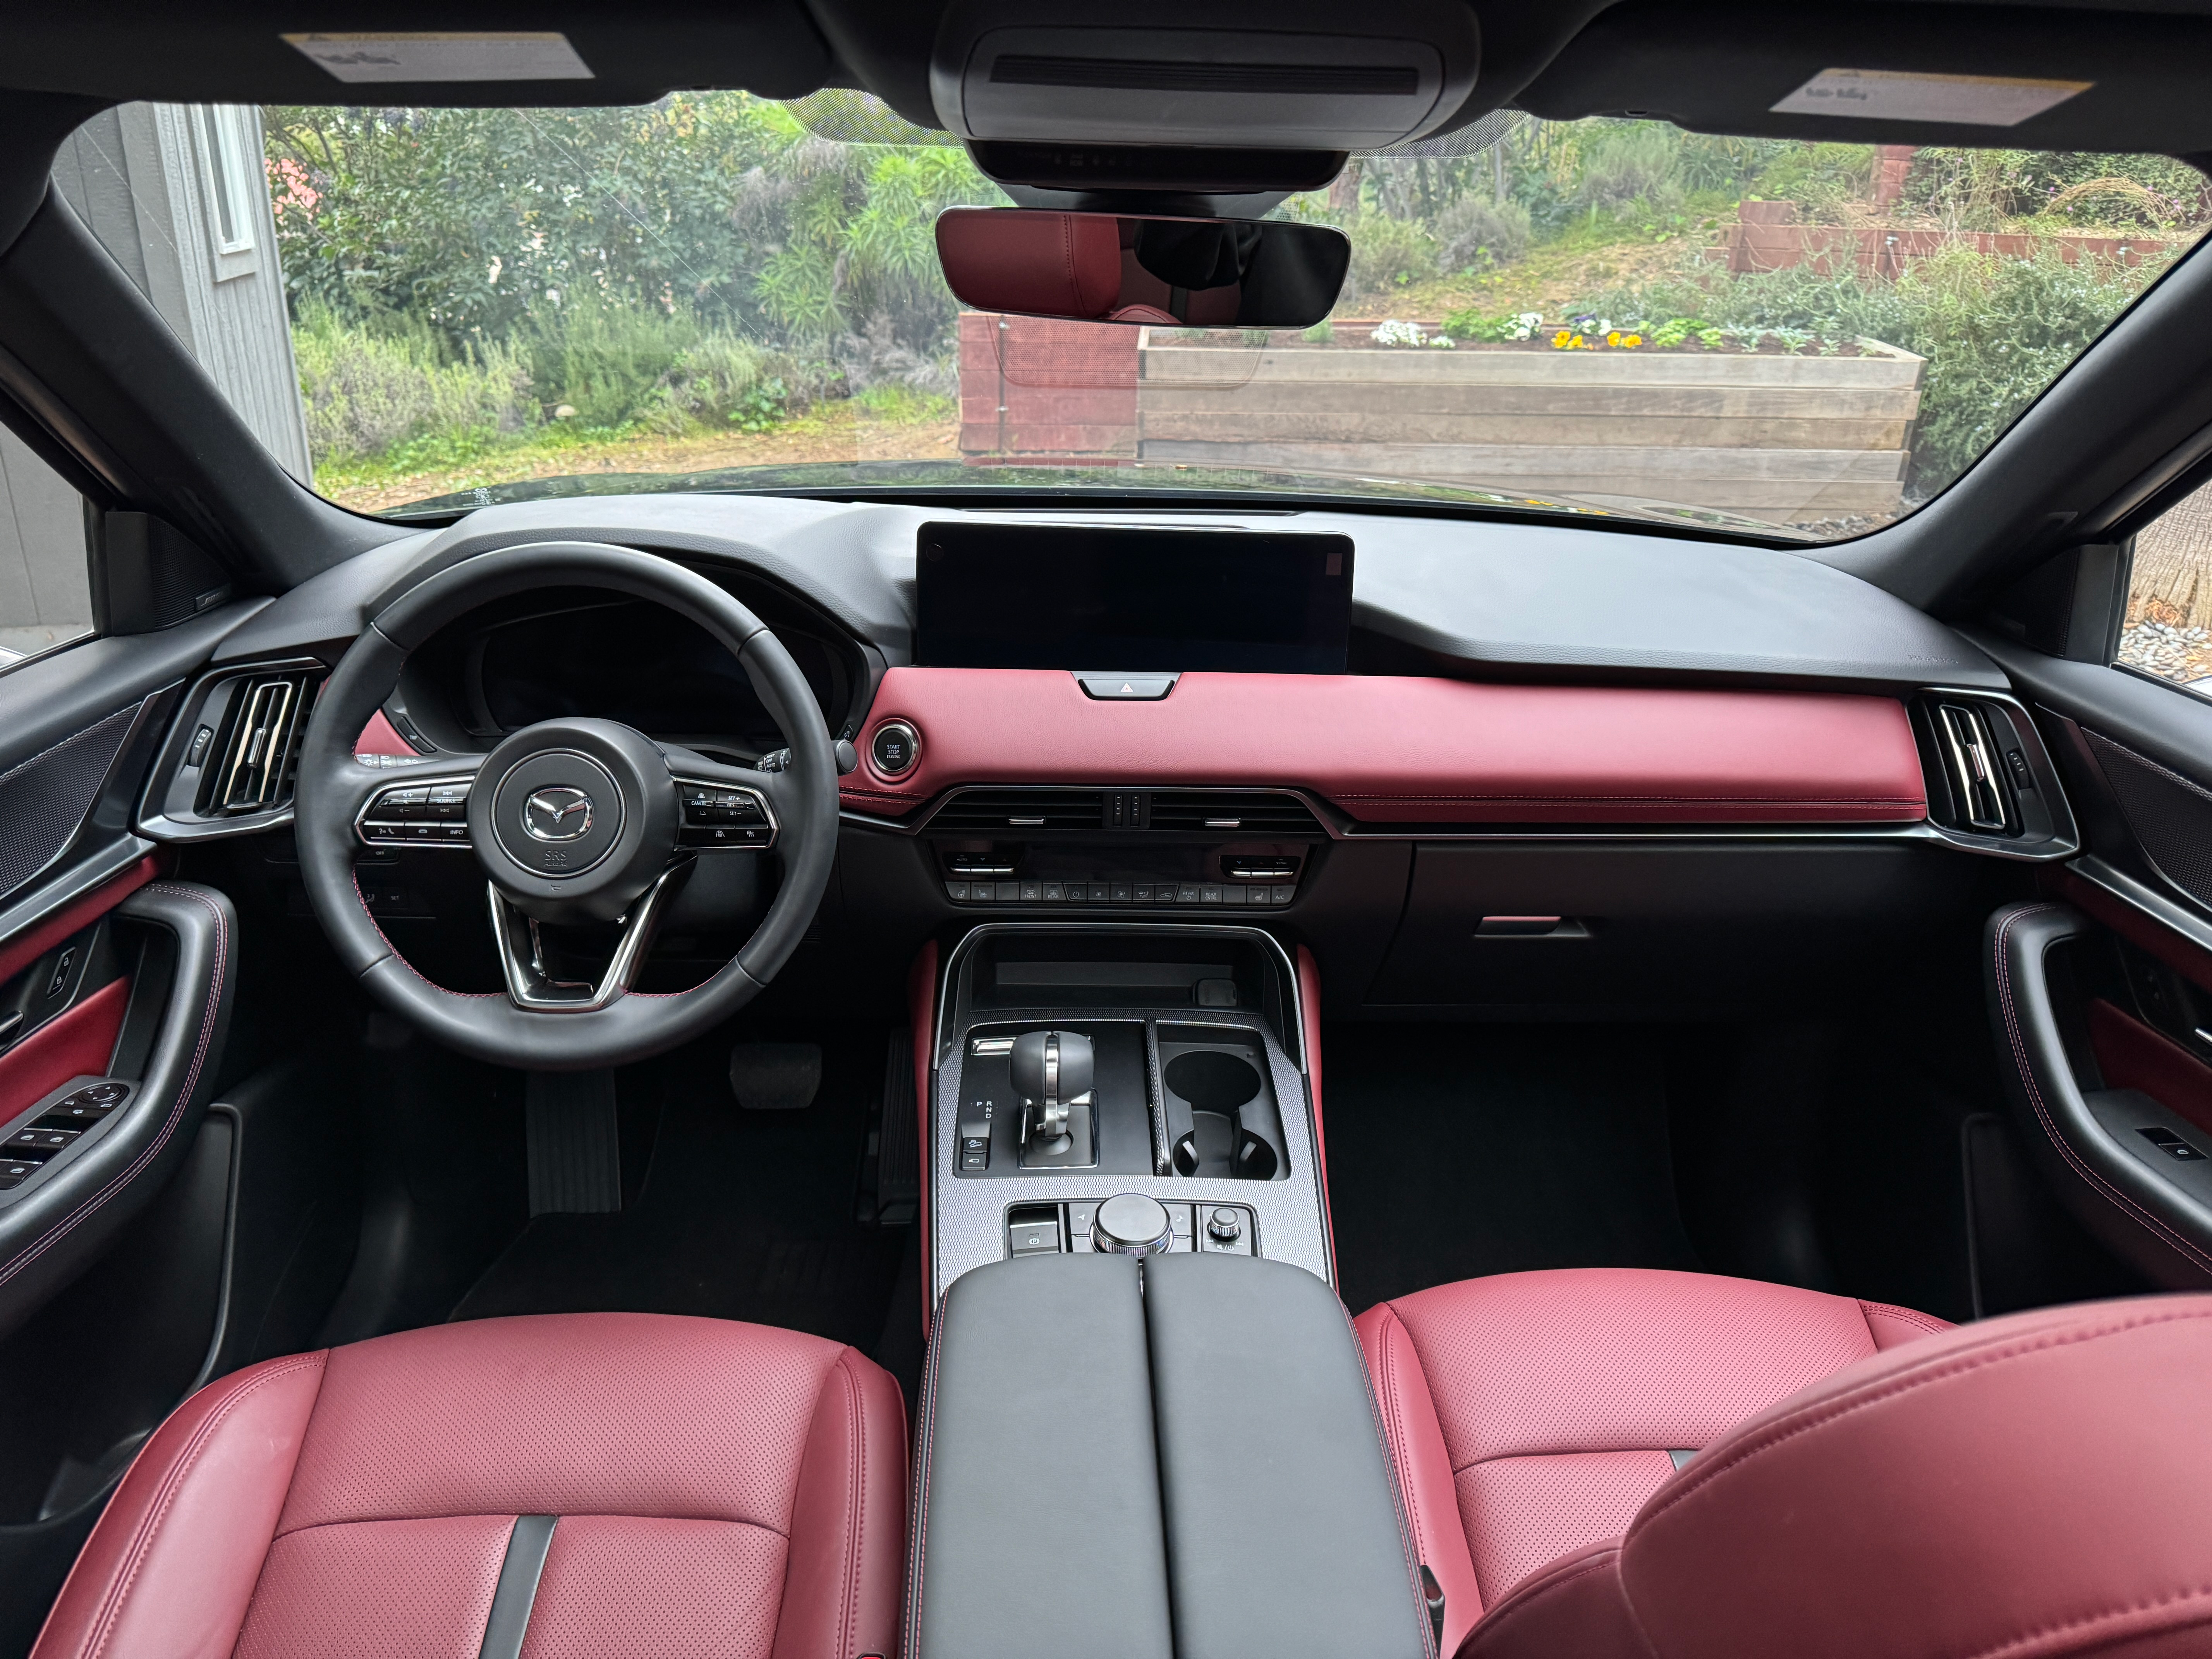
(258, 745)
(996, 811)
(1233, 812)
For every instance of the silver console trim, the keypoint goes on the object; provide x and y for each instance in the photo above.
(968, 1218)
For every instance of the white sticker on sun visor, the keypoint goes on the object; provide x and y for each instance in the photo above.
(1981, 100)
(445, 56)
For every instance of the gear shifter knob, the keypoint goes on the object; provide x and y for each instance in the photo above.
(1047, 1070)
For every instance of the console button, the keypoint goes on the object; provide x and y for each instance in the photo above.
(1285, 891)
(957, 891)
(1121, 892)
(1141, 892)
(1209, 892)
(1102, 892)
(1034, 1237)
(1126, 687)
(1009, 892)
(1186, 893)
(1223, 1223)
(1055, 892)
(1233, 895)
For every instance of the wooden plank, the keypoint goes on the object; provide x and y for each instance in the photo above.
(1232, 367)
(1450, 398)
(1583, 432)
(1513, 461)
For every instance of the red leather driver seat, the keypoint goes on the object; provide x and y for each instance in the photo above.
(583, 1483)
(2022, 1488)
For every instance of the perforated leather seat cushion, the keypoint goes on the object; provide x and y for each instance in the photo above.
(1532, 1414)
(721, 1489)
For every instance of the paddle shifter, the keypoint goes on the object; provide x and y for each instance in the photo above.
(1050, 1071)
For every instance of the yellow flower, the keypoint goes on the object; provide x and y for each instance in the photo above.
(1563, 341)
(1613, 338)
(1631, 341)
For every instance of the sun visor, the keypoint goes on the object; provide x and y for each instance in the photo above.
(1312, 80)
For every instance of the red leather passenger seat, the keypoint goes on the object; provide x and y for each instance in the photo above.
(1532, 1414)
(719, 1488)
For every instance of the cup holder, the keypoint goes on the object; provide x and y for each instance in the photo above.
(1219, 1086)
(1212, 1081)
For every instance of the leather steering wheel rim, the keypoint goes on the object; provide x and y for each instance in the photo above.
(333, 787)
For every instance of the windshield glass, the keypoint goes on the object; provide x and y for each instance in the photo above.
(1600, 317)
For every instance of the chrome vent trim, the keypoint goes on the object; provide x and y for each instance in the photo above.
(991, 811)
(1978, 786)
(261, 744)
(1233, 812)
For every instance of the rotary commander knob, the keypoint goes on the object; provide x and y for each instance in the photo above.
(1129, 1224)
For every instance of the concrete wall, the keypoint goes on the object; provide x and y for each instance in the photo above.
(151, 181)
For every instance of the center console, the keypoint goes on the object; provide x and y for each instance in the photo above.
(1072, 1064)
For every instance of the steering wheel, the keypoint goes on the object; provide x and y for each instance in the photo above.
(570, 821)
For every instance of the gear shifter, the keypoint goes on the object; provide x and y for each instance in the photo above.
(1051, 1072)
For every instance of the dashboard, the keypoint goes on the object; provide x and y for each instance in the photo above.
(1477, 766)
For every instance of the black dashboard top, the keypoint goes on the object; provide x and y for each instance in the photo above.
(1472, 600)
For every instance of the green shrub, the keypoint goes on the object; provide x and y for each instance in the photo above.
(366, 392)
(1631, 163)
(1475, 234)
(1388, 253)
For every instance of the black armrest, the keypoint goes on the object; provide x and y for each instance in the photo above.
(1037, 1498)
(1190, 1465)
(1285, 1536)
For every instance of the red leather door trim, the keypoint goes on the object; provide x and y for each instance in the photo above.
(26, 948)
(2132, 1056)
(1398, 749)
(78, 1042)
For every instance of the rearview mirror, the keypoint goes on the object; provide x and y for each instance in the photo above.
(1120, 268)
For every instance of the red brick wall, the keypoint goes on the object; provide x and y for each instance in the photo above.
(1031, 389)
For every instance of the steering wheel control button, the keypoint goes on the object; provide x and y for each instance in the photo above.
(557, 813)
(717, 816)
(1129, 1224)
(434, 814)
(895, 749)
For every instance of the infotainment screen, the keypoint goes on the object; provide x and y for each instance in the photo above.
(1053, 596)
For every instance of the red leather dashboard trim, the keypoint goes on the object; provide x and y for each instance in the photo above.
(26, 947)
(1396, 750)
(78, 1042)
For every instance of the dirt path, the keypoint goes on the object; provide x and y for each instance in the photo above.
(838, 434)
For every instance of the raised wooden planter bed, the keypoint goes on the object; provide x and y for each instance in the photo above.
(1767, 434)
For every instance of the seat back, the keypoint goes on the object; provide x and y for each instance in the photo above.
(2038, 1484)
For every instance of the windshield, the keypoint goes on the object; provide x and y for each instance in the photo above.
(1605, 317)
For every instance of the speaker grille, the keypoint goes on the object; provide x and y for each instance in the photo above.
(2171, 816)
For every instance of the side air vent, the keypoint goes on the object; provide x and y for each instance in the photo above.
(995, 811)
(258, 745)
(1232, 812)
(1981, 794)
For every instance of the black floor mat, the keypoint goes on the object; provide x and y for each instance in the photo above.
(1455, 1151)
(741, 1215)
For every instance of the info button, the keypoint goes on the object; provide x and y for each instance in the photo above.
(1126, 687)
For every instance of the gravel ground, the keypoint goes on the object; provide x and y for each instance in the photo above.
(2174, 653)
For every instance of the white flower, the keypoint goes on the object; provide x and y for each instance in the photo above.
(1392, 332)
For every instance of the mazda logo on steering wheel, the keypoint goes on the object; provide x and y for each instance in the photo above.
(560, 814)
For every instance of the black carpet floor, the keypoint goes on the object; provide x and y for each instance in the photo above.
(740, 1215)
(1455, 1151)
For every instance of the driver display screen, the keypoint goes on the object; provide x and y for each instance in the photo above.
(1031, 596)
